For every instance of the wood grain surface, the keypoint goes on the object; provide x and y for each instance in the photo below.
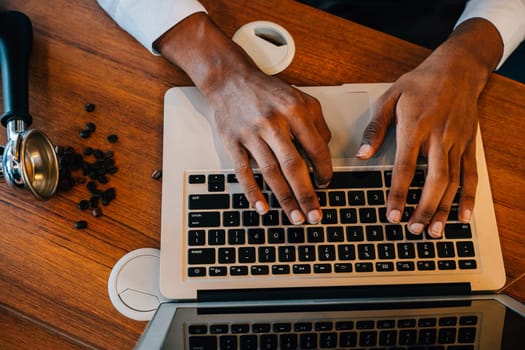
(53, 277)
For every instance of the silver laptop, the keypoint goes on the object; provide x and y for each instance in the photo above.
(488, 322)
(215, 248)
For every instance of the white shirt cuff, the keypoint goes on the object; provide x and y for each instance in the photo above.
(508, 16)
(147, 20)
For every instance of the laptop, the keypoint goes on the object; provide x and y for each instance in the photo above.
(485, 322)
(236, 281)
(214, 247)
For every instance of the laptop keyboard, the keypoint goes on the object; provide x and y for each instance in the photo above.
(425, 332)
(227, 238)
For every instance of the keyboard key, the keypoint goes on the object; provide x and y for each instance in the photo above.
(217, 271)
(366, 251)
(344, 325)
(336, 198)
(407, 337)
(288, 341)
(367, 215)
(405, 266)
(216, 237)
(238, 270)
(202, 342)
(231, 218)
(328, 340)
(348, 215)
(246, 254)
(356, 198)
(256, 236)
(467, 335)
(248, 342)
(301, 268)
(295, 234)
(197, 179)
(275, 235)
(354, 233)
(448, 321)
(308, 340)
(348, 339)
(447, 335)
(458, 231)
(306, 253)
(261, 328)
(260, 270)
(266, 254)
(426, 265)
(226, 255)
(228, 342)
(322, 268)
(236, 236)
(368, 338)
(465, 249)
(216, 182)
(346, 252)
(315, 234)
(204, 219)
(196, 271)
(467, 264)
(364, 267)
(446, 264)
(286, 253)
(271, 218)
(374, 233)
(468, 320)
(280, 269)
(425, 250)
(302, 327)
(384, 266)
(356, 179)
(364, 325)
(335, 234)
(386, 251)
(250, 218)
(201, 256)
(196, 237)
(445, 249)
(394, 232)
(240, 328)
(326, 252)
(406, 251)
(268, 341)
(375, 197)
(387, 338)
(209, 201)
(329, 216)
(343, 268)
(219, 329)
(239, 201)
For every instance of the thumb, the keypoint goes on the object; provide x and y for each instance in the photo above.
(375, 131)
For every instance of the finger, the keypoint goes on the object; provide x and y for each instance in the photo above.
(375, 131)
(314, 142)
(436, 183)
(437, 224)
(407, 150)
(296, 186)
(469, 182)
(243, 170)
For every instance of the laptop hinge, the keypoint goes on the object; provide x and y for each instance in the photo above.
(384, 291)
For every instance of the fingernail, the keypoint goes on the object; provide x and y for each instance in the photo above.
(314, 216)
(296, 217)
(260, 207)
(394, 216)
(325, 185)
(436, 229)
(467, 215)
(416, 227)
(364, 150)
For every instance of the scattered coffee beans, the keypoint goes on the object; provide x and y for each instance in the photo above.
(81, 224)
(94, 171)
(90, 107)
(157, 174)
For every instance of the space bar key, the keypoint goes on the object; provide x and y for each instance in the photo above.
(356, 179)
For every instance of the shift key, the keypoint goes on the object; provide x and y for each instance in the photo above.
(204, 219)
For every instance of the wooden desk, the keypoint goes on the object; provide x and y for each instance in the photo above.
(53, 279)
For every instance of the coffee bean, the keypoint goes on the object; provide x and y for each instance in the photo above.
(90, 107)
(157, 174)
(113, 138)
(83, 204)
(91, 127)
(97, 212)
(81, 224)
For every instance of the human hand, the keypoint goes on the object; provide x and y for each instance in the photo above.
(434, 108)
(257, 117)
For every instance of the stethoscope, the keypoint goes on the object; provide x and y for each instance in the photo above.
(29, 160)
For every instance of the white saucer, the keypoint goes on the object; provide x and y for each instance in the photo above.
(133, 284)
